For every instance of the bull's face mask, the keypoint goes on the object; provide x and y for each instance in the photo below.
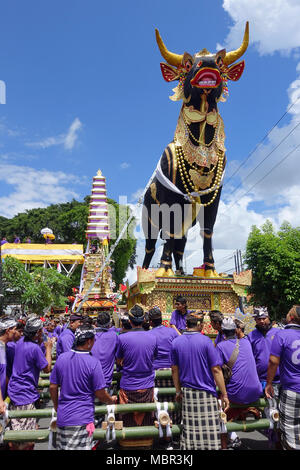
(203, 73)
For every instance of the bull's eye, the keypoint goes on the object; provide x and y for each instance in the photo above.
(188, 65)
(199, 63)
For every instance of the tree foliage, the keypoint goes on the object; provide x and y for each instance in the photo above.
(275, 262)
(68, 221)
(36, 291)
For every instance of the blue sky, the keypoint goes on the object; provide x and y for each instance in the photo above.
(84, 91)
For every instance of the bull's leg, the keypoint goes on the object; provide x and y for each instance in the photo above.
(210, 214)
(165, 268)
(149, 252)
(179, 246)
(151, 231)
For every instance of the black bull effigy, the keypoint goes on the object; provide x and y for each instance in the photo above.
(187, 185)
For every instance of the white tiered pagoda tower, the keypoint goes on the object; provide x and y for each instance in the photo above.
(97, 234)
(98, 225)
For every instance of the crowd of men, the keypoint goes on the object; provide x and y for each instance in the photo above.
(207, 375)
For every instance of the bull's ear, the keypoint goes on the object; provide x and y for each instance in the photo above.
(169, 73)
(235, 71)
(220, 55)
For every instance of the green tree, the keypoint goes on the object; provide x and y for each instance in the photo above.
(68, 222)
(275, 262)
(36, 291)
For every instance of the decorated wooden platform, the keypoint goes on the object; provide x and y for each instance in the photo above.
(202, 294)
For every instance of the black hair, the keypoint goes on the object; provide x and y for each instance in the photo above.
(180, 299)
(193, 320)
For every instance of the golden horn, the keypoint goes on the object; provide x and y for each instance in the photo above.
(235, 55)
(172, 59)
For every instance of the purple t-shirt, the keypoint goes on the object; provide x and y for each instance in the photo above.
(10, 355)
(179, 320)
(286, 346)
(244, 386)
(164, 337)
(261, 346)
(29, 361)
(138, 348)
(79, 376)
(58, 330)
(220, 337)
(65, 341)
(3, 369)
(104, 349)
(195, 355)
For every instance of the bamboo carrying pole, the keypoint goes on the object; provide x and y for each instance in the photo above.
(128, 408)
(42, 435)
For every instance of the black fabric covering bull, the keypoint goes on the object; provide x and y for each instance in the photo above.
(188, 182)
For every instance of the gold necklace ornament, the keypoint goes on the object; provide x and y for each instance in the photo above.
(198, 154)
(186, 180)
(211, 118)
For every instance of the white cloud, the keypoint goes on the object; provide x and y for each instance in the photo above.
(124, 165)
(274, 24)
(67, 140)
(33, 188)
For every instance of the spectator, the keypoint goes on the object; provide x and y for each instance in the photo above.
(7, 329)
(196, 372)
(29, 361)
(105, 347)
(11, 346)
(3, 241)
(285, 353)
(261, 340)
(80, 378)
(66, 338)
(239, 329)
(178, 317)
(216, 318)
(244, 386)
(16, 239)
(136, 352)
(125, 324)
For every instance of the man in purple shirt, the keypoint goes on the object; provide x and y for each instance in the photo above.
(244, 385)
(178, 317)
(29, 361)
(216, 318)
(164, 337)
(285, 353)
(196, 372)
(66, 338)
(105, 346)
(7, 329)
(261, 341)
(80, 378)
(136, 352)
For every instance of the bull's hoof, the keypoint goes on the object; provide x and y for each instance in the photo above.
(211, 274)
(162, 272)
(199, 272)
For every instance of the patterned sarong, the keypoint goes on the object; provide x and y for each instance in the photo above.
(201, 421)
(73, 438)
(136, 419)
(137, 396)
(289, 419)
(22, 424)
